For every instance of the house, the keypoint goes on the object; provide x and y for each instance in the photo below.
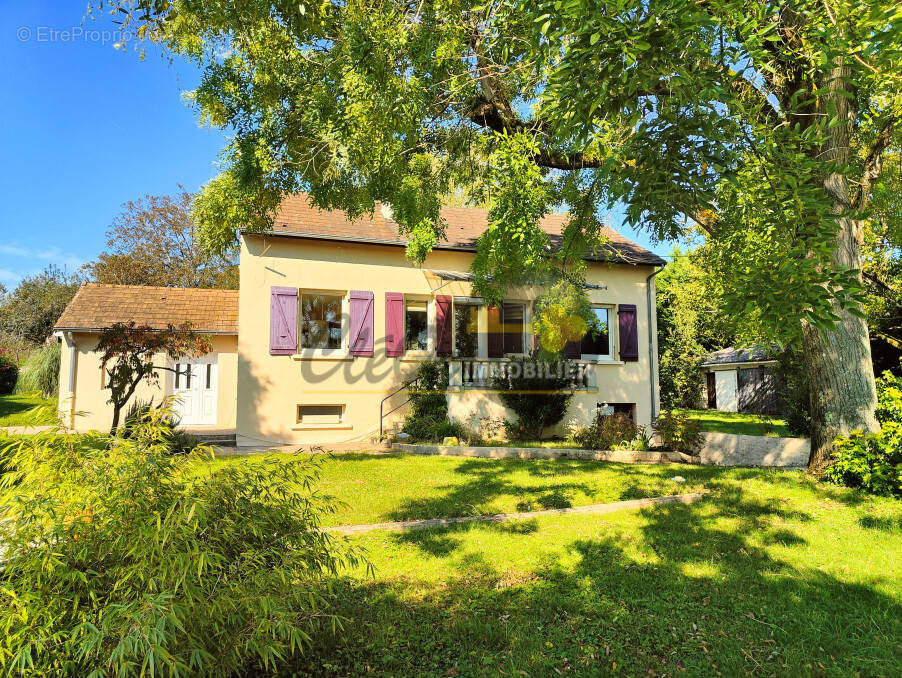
(742, 380)
(332, 321)
(206, 387)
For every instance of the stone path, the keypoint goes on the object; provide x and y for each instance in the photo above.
(594, 509)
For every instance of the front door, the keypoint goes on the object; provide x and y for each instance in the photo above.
(712, 391)
(195, 390)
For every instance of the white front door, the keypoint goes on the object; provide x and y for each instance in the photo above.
(195, 388)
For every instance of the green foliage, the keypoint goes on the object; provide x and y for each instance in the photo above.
(537, 390)
(889, 398)
(691, 324)
(610, 432)
(873, 462)
(718, 114)
(428, 418)
(122, 560)
(30, 311)
(41, 371)
(9, 374)
(178, 440)
(678, 431)
(793, 390)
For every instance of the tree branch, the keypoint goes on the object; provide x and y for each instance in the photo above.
(873, 164)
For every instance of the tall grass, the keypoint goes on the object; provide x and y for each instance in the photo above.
(41, 371)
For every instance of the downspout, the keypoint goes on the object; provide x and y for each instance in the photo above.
(652, 367)
(73, 358)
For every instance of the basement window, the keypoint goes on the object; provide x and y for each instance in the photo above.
(320, 414)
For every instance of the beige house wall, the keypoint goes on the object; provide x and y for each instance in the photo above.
(270, 388)
(83, 402)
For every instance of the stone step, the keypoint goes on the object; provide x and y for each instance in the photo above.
(622, 456)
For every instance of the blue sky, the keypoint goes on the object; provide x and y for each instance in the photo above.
(86, 127)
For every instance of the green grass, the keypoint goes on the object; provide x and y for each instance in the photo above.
(772, 574)
(19, 410)
(378, 488)
(744, 424)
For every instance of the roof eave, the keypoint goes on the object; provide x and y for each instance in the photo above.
(650, 260)
(152, 329)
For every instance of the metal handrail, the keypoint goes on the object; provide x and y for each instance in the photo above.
(382, 416)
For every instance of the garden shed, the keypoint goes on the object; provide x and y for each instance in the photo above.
(742, 380)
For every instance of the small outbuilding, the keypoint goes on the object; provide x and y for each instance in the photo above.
(742, 380)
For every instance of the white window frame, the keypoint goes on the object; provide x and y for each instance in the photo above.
(341, 351)
(482, 321)
(430, 325)
(612, 338)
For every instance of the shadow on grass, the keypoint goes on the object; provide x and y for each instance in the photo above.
(882, 523)
(692, 591)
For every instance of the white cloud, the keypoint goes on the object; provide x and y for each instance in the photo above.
(35, 259)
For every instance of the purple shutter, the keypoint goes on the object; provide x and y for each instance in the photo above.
(443, 327)
(495, 332)
(394, 324)
(283, 320)
(361, 310)
(629, 332)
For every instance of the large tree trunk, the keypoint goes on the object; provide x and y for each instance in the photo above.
(840, 371)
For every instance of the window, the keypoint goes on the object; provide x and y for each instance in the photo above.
(320, 414)
(416, 326)
(466, 329)
(513, 323)
(597, 341)
(321, 321)
(183, 370)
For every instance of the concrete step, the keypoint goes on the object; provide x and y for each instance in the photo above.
(217, 438)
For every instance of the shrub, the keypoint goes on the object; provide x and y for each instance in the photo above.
(678, 431)
(889, 398)
(537, 391)
(178, 440)
(870, 462)
(122, 560)
(41, 371)
(9, 374)
(608, 432)
(873, 462)
(428, 419)
(791, 377)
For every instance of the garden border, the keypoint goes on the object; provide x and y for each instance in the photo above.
(576, 453)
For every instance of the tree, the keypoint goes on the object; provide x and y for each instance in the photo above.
(152, 242)
(691, 324)
(30, 311)
(127, 352)
(764, 124)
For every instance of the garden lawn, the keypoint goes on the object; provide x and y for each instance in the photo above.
(772, 574)
(392, 487)
(743, 424)
(19, 410)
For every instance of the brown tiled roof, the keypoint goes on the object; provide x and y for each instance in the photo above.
(95, 307)
(298, 218)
